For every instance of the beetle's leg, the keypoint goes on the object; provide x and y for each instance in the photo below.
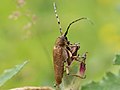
(76, 75)
(56, 86)
(84, 56)
(82, 66)
(67, 68)
(76, 58)
(80, 58)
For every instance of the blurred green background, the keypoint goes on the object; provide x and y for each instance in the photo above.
(28, 30)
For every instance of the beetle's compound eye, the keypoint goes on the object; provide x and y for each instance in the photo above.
(68, 42)
(66, 38)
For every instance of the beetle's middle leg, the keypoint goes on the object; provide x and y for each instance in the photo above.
(68, 72)
(69, 60)
(67, 68)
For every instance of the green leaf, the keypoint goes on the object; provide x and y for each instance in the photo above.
(110, 82)
(117, 59)
(9, 73)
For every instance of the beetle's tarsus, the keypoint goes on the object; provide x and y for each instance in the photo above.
(56, 86)
(67, 70)
(82, 77)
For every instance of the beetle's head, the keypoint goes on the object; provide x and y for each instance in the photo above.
(62, 41)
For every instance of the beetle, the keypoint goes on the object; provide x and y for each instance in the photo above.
(64, 52)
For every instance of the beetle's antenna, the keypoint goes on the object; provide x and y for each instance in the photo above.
(58, 20)
(76, 21)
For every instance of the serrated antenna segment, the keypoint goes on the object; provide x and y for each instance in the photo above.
(58, 20)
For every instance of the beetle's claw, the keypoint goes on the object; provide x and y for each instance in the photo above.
(56, 85)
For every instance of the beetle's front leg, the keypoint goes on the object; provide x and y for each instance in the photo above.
(76, 58)
(80, 58)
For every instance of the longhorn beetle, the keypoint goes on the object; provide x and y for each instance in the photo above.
(64, 52)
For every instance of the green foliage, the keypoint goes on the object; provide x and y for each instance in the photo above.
(109, 82)
(9, 73)
(117, 59)
(28, 29)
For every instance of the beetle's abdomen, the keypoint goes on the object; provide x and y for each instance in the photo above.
(59, 56)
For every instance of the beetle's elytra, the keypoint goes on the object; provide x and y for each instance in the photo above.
(64, 53)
